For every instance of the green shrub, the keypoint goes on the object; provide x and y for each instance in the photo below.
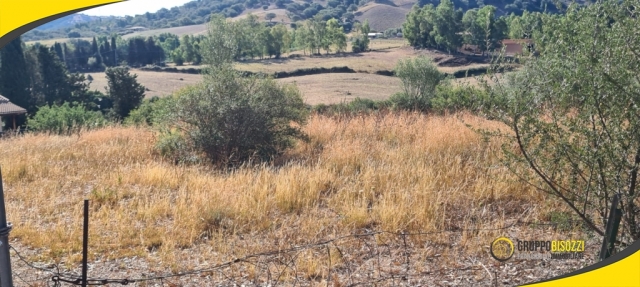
(150, 112)
(419, 77)
(354, 107)
(230, 119)
(65, 119)
(450, 98)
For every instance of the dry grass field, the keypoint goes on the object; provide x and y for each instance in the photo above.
(395, 172)
(338, 87)
(384, 58)
(180, 31)
(159, 83)
(328, 88)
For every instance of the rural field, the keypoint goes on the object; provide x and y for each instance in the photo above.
(322, 88)
(180, 31)
(335, 88)
(157, 83)
(394, 172)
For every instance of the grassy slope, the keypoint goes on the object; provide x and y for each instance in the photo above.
(383, 16)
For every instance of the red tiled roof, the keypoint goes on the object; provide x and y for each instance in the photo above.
(515, 46)
(8, 108)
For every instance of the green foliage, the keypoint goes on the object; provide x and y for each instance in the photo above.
(124, 90)
(150, 112)
(231, 119)
(270, 16)
(450, 98)
(361, 39)
(64, 119)
(227, 118)
(526, 26)
(573, 114)
(14, 76)
(483, 28)
(355, 107)
(419, 77)
(419, 28)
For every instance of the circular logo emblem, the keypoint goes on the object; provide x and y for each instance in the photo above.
(501, 249)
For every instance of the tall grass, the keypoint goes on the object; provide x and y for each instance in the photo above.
(395, 171)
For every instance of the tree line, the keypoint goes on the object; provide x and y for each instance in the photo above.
(199, 12)
(447, 28)
(80, 55)
(36, 76)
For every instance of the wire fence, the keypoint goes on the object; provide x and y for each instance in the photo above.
(373, 258)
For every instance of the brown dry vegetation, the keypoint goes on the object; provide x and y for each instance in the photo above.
(395, 172)
(383, 16)
(344, 87)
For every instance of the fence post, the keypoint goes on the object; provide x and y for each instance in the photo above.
(615, 215)
(85, 242)
(5, 261)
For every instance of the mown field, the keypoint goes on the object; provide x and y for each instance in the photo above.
(157, 83)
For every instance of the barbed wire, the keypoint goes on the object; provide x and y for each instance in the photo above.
(57, 277)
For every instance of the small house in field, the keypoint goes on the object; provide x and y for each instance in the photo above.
(514, 47)
(9, 110)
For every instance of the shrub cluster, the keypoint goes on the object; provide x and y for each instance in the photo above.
(65, 119)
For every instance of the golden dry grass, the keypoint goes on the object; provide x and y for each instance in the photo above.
(392, 172)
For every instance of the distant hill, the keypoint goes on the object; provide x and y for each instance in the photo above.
(68, 21)
(382, 14)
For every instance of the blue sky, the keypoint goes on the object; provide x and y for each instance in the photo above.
(134, 7)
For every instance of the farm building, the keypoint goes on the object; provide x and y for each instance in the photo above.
(8, 109)
(374, 35)
(516, 46)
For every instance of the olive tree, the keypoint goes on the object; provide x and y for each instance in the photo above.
(574, 113)
(228, 118)
(419, 77)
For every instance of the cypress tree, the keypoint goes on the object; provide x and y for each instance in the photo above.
(14, 79)
(115, 51)
(54, 77)
(132, 57)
